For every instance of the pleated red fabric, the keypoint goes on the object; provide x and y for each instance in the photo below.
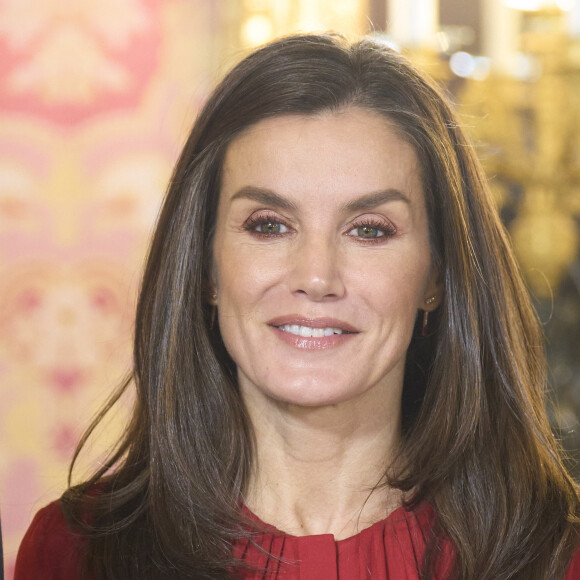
(391, 549)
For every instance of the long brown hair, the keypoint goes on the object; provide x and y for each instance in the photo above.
(476, 439)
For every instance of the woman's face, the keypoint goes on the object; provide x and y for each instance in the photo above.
(321, 256)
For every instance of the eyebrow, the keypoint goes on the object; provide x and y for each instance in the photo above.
(365, 202)
(265, 196)
(372, 200)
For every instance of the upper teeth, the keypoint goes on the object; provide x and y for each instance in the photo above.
(308, 331)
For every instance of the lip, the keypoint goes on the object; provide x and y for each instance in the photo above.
(313, 343)
(324, 322)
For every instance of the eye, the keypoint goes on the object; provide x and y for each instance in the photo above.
(265, 225)
(271, 228)
(368, 232)
(372, 230)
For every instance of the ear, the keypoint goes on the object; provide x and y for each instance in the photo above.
(212, 296)
(211, 285)
(210, 293)
(433, 295)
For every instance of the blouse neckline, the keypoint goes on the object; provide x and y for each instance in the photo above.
(423, 511)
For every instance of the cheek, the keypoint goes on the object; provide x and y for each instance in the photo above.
(398, 282)
(243, 276)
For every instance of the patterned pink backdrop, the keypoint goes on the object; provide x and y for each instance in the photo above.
(95, 99)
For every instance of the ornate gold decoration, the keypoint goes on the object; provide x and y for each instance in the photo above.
(263, 20)
(531, 126)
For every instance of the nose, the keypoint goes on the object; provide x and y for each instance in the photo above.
(316, 271)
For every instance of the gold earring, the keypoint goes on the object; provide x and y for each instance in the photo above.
(213, 302)
(428, 301)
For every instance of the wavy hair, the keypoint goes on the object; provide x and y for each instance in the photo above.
(476, 440)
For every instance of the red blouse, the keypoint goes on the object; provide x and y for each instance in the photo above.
(391, 549)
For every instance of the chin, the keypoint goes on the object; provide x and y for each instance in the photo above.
(312, 393)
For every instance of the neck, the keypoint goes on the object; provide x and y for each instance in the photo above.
(322, 469)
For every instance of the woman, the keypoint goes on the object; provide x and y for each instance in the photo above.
(338, 370)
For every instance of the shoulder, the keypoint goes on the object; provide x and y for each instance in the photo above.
(49, 548)
(574, 568)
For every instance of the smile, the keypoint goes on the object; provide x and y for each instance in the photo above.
(307, 331)
(314, 334)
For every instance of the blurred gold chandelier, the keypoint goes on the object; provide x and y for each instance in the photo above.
(522, 99)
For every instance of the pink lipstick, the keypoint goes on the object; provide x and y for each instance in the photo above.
(312, 333)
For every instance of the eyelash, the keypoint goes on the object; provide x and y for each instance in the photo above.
(254, 221)
(387, 229)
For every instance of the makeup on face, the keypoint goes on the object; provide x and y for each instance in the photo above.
(321, 255)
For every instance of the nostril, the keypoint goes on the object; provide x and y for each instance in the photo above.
(316, 273)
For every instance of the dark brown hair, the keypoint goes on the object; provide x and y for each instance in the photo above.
(476, 439)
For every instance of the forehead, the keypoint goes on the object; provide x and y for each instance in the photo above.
(350, 151)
